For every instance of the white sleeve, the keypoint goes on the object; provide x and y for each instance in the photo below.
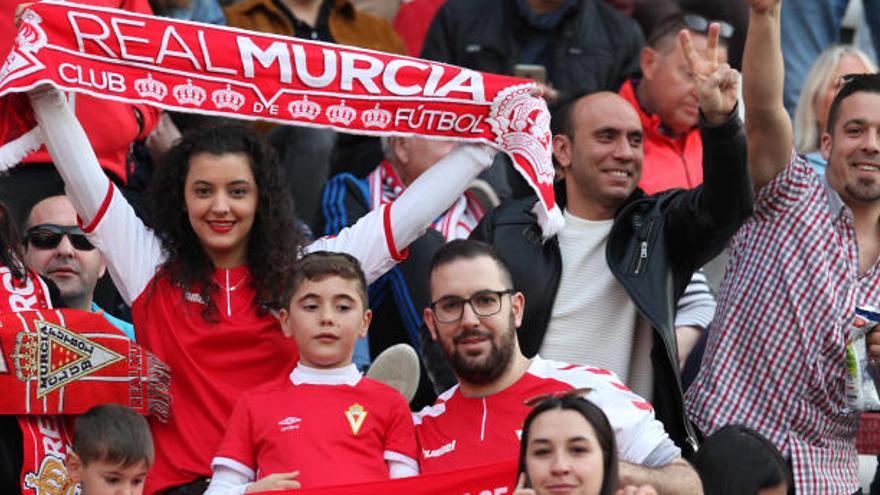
(229, 477)
(132, 252)
(696, 306)
(640, 436)
(379, 239)
(400, 466)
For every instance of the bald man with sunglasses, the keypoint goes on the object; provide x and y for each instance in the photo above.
(57, 249)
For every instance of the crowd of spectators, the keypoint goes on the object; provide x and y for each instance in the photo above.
(668, 162)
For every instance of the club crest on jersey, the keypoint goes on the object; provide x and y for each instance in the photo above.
(54, 356)
(355, 414)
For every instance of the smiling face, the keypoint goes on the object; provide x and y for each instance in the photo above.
(74, 271)
(479, 348)
(602, 160)
(104, 478)
(563, 455)
(221, 201)
(853, 152)
(326, 317)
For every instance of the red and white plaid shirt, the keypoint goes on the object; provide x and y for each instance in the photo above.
(775, 356)
(456, 223)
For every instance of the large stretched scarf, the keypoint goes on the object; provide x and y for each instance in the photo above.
(497, 478)
(55, 364)
(198, 68)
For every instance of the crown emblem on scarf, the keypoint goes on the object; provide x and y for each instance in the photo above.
(376, 117)
(51, 478)
(521, 124)
(227, 98)
(341, 114)
(151, 88)
(304, 109)
(24, 356)
(189, 93)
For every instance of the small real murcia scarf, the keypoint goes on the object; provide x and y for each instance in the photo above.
(198, 68)
(55, 364)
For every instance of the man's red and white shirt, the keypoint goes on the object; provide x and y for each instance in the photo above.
(775, 356)
(458, 431)
(333, 426)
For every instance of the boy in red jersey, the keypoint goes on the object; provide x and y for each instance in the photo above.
(325, 413)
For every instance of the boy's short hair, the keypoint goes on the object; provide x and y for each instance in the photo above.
(322, 264)
(112, 433)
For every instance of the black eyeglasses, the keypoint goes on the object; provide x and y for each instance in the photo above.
(48, 236)
(691, 22)
(449, 309)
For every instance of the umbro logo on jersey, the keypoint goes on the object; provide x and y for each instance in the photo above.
(449, 447)
(289, 423)
(193, 297)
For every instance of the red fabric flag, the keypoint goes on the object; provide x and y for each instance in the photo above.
(498, 478)
(191, 67)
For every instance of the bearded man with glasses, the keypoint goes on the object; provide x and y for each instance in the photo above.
(58, 250)
(474, 316)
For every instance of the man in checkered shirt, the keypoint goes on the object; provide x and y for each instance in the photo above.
(799, 268)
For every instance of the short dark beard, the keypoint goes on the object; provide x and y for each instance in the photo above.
(863, 193)
(493, 366)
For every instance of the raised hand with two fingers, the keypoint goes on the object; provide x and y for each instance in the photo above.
(717, 84)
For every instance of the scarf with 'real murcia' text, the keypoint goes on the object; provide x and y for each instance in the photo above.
(197, 68)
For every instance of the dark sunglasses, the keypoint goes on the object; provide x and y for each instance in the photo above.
(562, 394)
(48, 236)
(691, 22)
(700, 24)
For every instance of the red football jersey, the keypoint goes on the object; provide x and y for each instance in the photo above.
(212, 363)
(458, 431)
(331, 434)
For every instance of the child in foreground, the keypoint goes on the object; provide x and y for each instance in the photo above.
(325, 414)
(112, 451)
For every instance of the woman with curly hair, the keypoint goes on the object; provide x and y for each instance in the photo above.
(203, 282)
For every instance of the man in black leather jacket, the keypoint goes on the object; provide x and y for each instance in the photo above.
(655, 242)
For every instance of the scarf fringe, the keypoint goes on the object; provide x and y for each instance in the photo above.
(551, 221)
(159, 389)
(13, 152)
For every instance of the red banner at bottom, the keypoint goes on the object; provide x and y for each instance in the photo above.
(491, 479)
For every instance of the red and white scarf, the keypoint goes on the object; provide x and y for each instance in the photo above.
(198, 68)
(456, 223)
(55, 364)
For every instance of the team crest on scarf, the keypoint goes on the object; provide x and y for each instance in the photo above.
(522, 127)
(31, 38)
(356, 414)
(54, 356)
(51, 479)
